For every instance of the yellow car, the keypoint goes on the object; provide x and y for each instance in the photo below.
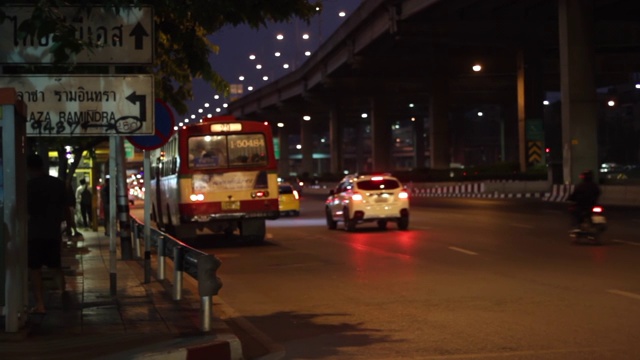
(288, 200)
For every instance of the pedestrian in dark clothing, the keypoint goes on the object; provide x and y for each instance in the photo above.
(86, 202)
(584, 197)
(46, 207)
(104, 198)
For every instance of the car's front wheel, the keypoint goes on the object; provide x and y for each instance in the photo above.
(331, 224)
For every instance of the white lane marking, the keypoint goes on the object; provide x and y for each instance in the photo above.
(522, 226)
(462, 250)
(379, 251)
(624, 293)
(626, 242)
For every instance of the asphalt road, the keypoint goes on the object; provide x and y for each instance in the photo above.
(470, 279)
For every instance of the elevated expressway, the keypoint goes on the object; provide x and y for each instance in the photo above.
(392, 53)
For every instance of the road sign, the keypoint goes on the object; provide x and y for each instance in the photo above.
(129, 152)
(85, 105)
(534, 150)
(534, 130)
(164, 128)
(123, 38)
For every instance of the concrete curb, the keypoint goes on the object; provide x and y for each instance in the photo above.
(216, 347)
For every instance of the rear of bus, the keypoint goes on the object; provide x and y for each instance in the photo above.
(228, 177)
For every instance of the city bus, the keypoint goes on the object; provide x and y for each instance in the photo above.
(216, 176)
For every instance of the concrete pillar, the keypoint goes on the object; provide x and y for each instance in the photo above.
(530, 108)
(439, 133)
(283, 163)
(361, 158)
(306, 140)
(578, 89)
(381, 136)
(335, 141)
(418, 142)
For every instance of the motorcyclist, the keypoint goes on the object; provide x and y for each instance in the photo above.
(584, 197)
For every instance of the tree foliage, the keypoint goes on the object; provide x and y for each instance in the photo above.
(182, 46)
(181, 30)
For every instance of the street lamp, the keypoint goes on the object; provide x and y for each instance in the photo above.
(477, 67)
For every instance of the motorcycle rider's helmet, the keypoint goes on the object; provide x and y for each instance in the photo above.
(586, 175)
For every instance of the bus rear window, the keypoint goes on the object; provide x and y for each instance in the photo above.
(222, 151)
(208, 151)
(247, 149)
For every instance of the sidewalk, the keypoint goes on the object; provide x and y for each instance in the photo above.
(140, 322)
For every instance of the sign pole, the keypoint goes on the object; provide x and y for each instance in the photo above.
(147, 216)
(112, 216)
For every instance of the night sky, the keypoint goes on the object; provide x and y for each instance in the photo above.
(238, 43)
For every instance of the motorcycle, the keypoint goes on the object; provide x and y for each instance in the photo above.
(591, 227)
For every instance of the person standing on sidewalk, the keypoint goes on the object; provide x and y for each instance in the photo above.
(70, 215)
(85, 200)
(46, 207)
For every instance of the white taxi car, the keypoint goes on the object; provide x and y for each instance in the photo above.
(368, 198)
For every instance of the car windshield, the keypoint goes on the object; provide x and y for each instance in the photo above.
(384, 184)
(285, 189)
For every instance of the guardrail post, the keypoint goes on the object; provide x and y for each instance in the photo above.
(136, 238)
(205, 313)
(178, 266)
(161, 257)
(208, 285)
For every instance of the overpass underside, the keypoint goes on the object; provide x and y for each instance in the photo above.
(394, 87)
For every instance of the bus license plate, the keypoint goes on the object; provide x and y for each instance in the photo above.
(231, 205)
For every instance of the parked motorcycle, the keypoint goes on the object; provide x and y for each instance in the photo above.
(592, 227)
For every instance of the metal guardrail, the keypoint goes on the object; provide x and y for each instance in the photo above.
(199, 265)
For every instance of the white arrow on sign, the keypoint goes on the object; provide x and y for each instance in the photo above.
(86, 105)
(123, 38)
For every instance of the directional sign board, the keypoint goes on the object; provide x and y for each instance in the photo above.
(122, 38)
(85, 105)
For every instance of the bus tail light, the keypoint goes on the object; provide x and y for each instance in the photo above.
(196, 197)
(260, 194)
